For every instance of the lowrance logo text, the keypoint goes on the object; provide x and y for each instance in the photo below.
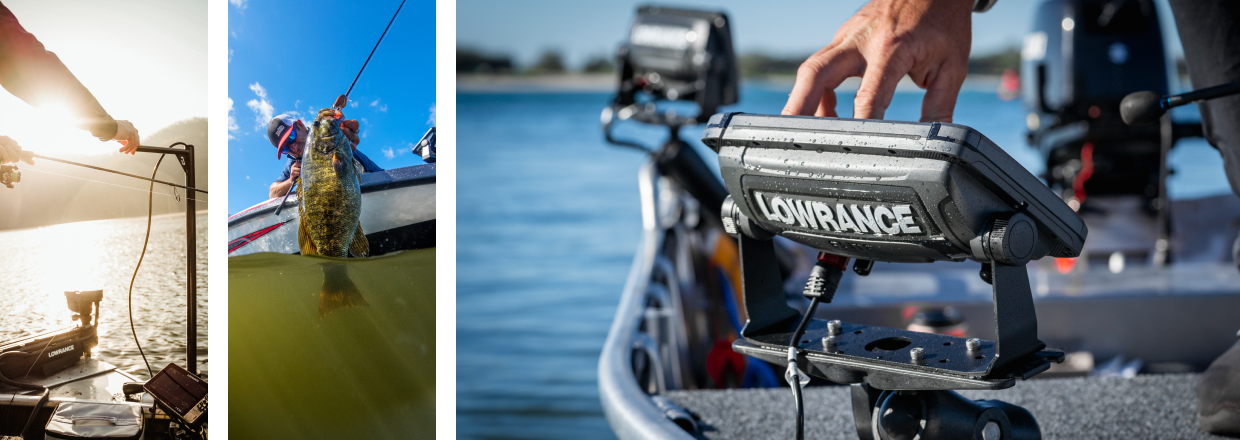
(61, 351)
(864, 218)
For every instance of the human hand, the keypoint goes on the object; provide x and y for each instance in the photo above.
(11, 152)
(927, 39)
(127, 135)
(295, 171)
(351, 128)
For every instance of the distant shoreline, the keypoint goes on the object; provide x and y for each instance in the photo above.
(606, 82)
(170, 214)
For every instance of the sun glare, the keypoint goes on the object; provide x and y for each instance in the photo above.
(51, 129)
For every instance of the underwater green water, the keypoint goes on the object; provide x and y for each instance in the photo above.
(303, 364)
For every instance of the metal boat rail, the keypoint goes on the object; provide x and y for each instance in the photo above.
(644, 355)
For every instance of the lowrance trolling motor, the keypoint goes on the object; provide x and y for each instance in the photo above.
(897, 192)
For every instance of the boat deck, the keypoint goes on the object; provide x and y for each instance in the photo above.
(89, 380)
(1147, 406)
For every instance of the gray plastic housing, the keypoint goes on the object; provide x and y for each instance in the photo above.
(883, 190)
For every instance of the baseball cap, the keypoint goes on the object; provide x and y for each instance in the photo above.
(279, 130)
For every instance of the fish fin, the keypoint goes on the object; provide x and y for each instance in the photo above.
(304, 242)
(360, 247)
(338, 289)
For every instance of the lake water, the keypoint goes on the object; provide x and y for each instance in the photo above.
(548, 220)
(311, 362)
(38, 265)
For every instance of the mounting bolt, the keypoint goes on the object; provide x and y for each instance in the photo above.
(973, 344)
(992, 431)
(919, 355)
(828, 344)
(833, 327)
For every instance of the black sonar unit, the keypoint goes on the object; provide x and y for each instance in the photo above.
(181, 394)
(896, 192)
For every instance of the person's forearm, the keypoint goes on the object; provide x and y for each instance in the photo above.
(279, 189)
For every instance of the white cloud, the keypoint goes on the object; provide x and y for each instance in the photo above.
(382, 108)
(232, 120)
(262, 107)
(240, 4)
(374, 103)
(230, 54)
(353, 103)
(388, 153)
(431, 121)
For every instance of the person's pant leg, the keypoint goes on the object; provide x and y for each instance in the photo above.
(1210, 33)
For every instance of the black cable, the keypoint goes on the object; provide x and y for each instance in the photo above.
(149, 207)
(794, 375)
(372, 51)
(47, 392)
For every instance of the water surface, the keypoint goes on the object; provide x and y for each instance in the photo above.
(38, 265)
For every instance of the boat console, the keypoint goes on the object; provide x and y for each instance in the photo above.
(899, 192)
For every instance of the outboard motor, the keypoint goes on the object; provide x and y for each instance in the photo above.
(1079, 61)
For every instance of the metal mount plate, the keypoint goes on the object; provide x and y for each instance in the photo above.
(881, 356)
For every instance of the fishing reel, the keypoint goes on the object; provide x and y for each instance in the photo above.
(896, 192)
(9, 174)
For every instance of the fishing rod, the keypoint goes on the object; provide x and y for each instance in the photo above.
(146, 149)
(343, 100)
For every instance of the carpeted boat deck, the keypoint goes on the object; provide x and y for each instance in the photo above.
(1144, 407)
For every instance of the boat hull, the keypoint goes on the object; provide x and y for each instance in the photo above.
(398, 213)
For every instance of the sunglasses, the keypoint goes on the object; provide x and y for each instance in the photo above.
(287, 142)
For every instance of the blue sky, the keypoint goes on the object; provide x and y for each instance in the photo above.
(581, 29)
(298, 56)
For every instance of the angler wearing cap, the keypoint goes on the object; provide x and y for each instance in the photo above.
(293, 141)
(33, 73)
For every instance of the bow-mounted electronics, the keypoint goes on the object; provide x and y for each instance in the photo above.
(48, 353)
(426, 146)
(679, 54)
(896, 192)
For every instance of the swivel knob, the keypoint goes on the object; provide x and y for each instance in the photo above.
(1011, 239)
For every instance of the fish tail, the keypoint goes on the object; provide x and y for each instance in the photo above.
(338, 289)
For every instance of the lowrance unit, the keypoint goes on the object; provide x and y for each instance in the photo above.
(896, 192)
(888, 191)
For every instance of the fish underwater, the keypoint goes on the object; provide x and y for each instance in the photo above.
(330, 204)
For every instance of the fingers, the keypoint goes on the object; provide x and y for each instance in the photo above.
(818, 76)
(878, 85)
(11, 152)
(127, 135)
(826, 107)
(940, 100)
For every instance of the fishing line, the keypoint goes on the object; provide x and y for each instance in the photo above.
(152, 178)
(372, 53)
(178, 197)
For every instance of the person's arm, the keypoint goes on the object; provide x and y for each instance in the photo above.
(928, 40)
(282, 187)
(37, 76)
(279, 189)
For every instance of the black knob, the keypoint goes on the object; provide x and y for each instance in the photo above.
(1011, 239)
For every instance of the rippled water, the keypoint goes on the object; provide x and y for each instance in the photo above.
(307, 364)
(38, 265)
